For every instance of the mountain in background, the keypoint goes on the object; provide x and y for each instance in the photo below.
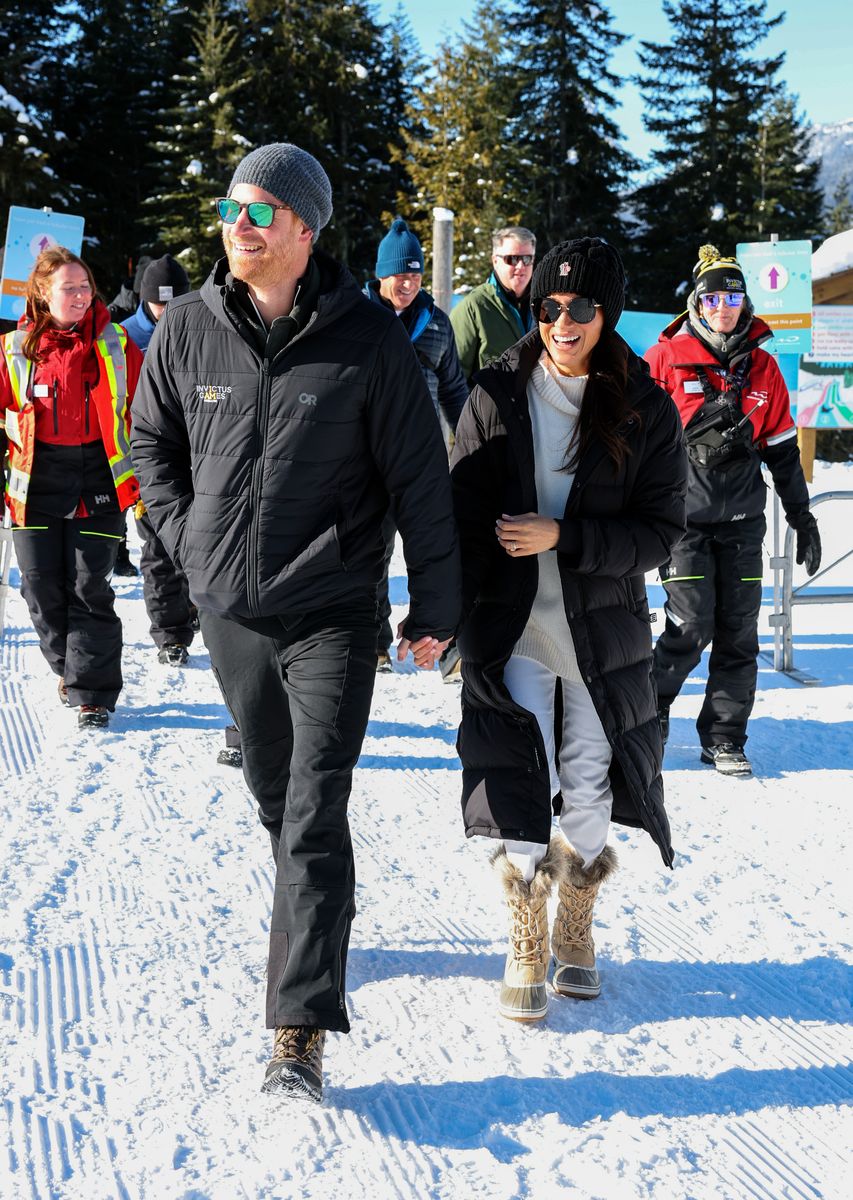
(833, 145)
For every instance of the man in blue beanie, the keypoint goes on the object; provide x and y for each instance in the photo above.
(399, 274)
(278, 413)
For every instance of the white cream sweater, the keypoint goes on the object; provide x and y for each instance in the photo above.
(554, 402)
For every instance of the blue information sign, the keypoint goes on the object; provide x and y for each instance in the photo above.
(31, 230)
(779, 283)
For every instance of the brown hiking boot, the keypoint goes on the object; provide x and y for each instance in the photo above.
(92, 716)
(524, 995)
(63, 692)
(575, 972)
(296, 1066)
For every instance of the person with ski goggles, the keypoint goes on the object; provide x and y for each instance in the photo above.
(735, 409)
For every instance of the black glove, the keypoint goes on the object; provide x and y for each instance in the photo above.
(808, 543)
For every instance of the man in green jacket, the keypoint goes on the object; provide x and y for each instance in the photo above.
(496, 314)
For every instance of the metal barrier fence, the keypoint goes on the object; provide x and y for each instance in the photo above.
(785, 595)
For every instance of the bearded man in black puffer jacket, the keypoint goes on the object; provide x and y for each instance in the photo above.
(279, 411)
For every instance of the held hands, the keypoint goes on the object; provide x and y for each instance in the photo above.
(527, 534)
(426, 651)
(808, 545)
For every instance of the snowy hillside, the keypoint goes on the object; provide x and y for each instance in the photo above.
(832, 145)
(135, 894)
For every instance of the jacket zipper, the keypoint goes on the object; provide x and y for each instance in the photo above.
(252, 583)
(86, 408)
(55, 408)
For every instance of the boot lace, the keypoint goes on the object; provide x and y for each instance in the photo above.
(574, 916)
(299, 1043)
(526, 936)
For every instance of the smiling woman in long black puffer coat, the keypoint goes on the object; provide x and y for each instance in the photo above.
(569, 484)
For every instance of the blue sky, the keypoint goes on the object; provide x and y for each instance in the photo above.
(817, 36)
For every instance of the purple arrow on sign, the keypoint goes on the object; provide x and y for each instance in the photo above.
(44, 243)
(773, 276)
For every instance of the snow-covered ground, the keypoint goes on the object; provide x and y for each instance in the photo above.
(135, 893)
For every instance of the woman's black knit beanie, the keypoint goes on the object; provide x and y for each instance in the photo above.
(587, 266)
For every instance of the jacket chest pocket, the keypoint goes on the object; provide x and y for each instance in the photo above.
(316, 419)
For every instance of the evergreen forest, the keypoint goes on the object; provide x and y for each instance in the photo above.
(135, 115)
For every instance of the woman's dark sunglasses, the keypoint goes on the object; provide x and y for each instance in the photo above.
(581, 310)
(259, 213)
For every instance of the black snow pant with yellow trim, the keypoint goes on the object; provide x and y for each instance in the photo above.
(713, 594)
(65, 566)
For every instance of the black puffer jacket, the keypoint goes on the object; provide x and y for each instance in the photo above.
(267, 479)
(616, 527)
(431, 335)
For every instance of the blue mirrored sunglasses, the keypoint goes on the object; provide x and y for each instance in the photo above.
(733, 299)
(259, 212)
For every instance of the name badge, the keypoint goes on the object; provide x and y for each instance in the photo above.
(692, 385)
(41, 389)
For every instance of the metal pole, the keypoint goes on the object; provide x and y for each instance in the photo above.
(777, 587)
(442, 258)
(5, 565)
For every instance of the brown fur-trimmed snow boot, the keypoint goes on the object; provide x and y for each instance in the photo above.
(575, 973)
(524, 992)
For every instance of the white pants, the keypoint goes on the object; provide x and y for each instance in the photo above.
(584, 761)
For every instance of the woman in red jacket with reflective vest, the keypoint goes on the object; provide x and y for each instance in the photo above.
(67, 376)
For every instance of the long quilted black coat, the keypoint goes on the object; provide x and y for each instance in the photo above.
(617, 525)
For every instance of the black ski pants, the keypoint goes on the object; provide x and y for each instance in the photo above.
(713, 589)
(65, 567)
(164, 588)
(299, 687)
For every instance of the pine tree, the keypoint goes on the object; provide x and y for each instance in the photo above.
(456, 145)
(707, 92)
(115, 81)
(839, 218)
(787, 199)
(572, 167)
(199, 144)
(324, 78)
(28, 32)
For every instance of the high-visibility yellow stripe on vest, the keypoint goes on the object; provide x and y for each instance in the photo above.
(19, 426)
(110, 406)
(20, 368)
(110, 346)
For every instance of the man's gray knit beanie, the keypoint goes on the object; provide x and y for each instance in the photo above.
(292, 175)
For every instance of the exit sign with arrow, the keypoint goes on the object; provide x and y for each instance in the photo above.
(29, 231)
(779, 284)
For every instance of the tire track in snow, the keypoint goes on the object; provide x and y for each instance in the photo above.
(52, 1005)
(761, 1168)
(764, 1160)
(21, 733)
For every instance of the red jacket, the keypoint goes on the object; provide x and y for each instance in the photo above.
(68, 399)
(677, 353)
(719, 496)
